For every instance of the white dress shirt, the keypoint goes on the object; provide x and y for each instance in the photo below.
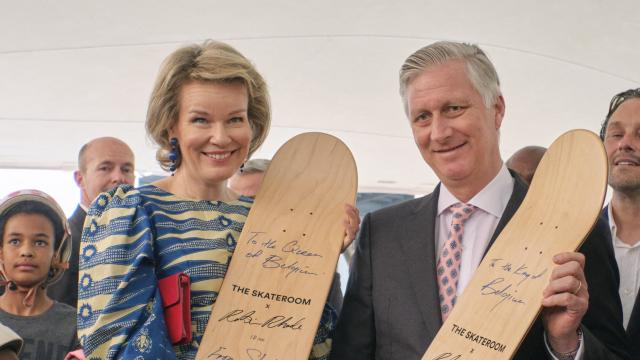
(628, 259)
(478, 229)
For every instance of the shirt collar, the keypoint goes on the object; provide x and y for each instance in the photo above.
(493, 198)
(612, 223)
(617, 243)
(86, 209)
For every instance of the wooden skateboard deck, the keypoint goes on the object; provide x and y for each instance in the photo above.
(499, 305)
(275, 289)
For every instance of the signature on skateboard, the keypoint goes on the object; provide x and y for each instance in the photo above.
(275, 289)
(497, 308)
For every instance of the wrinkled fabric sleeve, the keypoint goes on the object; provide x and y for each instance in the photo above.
(324, 336)
(119, 307)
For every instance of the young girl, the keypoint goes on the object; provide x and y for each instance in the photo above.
(34, 250)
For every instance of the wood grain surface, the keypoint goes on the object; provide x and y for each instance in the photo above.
(275, 289)
(504, 297)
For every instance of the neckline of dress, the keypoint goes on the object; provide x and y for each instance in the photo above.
(240, 200)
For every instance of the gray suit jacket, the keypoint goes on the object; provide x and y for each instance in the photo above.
(391, 308)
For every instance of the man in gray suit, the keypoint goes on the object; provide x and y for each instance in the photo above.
(396, 296)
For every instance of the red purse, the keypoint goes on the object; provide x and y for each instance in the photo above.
(175, 291)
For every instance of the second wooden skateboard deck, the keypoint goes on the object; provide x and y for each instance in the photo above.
(499, 305)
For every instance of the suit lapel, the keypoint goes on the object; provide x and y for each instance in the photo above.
(78, 216)
(518, 194)
(418, 247)
(633, 328)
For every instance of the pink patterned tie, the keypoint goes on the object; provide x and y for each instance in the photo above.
(448, 269)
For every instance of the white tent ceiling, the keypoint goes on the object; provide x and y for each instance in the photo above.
(74, 70)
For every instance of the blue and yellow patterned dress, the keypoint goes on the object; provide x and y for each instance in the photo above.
(132, 238)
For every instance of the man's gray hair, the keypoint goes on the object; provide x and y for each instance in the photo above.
(255, 166)
(480, 70)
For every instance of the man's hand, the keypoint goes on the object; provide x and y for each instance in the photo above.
(565, 301)
(351, 225)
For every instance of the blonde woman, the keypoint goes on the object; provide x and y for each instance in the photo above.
(209, 111)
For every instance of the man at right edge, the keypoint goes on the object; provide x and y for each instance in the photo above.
(621, 135)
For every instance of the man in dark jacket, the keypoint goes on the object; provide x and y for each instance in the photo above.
(103, 163)
(621, 135)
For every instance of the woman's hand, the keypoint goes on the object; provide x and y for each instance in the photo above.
(351, 225)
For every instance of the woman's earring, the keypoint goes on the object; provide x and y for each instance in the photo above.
(242, 168)
(173, 154)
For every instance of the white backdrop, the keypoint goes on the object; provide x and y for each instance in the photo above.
(74, 70)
